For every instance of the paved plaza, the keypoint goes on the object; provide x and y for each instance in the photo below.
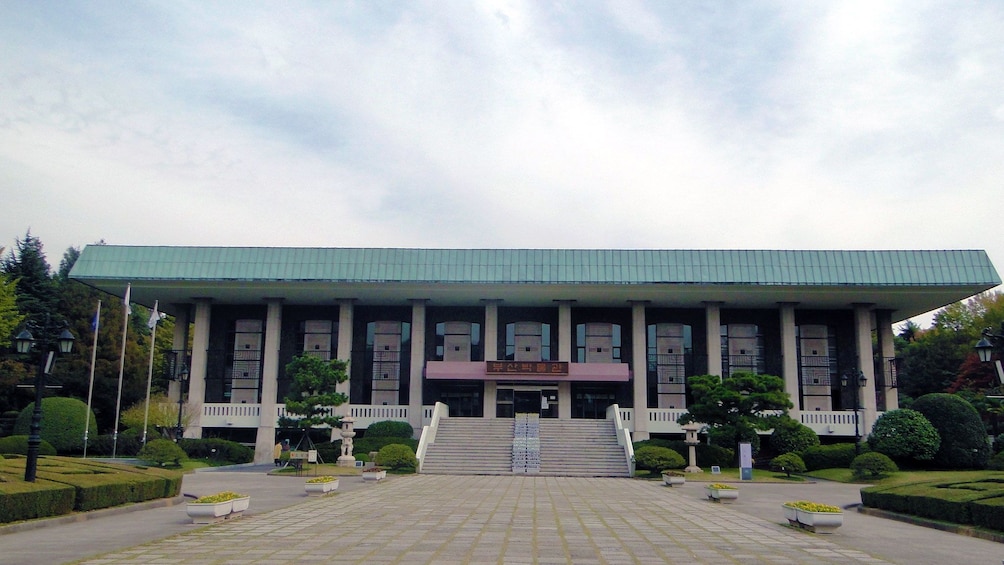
(479, 519)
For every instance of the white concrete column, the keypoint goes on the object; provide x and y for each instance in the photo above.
(639, 371)
(565, 354)
(265, 440)
(491, 347)
(343, 352)
(713, 336)
(883, 321)
(197, 375)
(417, 364)
(863, 342)
(179, 343)
(789, 356)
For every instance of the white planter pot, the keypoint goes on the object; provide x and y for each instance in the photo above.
(673, 480)
(374, 475)
(321, 488)
(208, 513)
(723, 495)
(820, 522)
(240, 505)
(790, 514)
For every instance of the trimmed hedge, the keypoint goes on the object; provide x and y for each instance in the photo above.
(964, 441)
(80, 484)
(389, 428)
(872, 464)
(978, 503)
(835, 456)
(18, 445)
(367, 444)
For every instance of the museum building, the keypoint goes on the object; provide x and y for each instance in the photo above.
(564, 334)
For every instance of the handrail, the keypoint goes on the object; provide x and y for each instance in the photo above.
(429, 432)
(623, 436)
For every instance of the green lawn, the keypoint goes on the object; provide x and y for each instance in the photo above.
(905, 477)
(729, 475)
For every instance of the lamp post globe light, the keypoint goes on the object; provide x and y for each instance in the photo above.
(25, 342)
(858, 382)
(989, 343)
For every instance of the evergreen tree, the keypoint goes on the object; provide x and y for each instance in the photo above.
(36, 291)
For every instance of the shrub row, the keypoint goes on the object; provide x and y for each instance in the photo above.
(977, 503)
(838, 455)
(80, 484)
(707, 455)
(218, 449)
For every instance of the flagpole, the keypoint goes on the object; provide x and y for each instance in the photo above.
(90, 387)
(152, 323)
(118, 401)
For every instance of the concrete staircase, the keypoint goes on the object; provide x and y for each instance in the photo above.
(570, 448)
(580, 448)
(470, 446)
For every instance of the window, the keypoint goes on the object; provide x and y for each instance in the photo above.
(598, 342)
(528, 341)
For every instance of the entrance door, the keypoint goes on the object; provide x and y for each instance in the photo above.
(526, 401)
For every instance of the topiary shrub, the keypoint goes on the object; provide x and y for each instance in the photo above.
(161, 452)
(964, 442)
(390, 428)
(904, 435)
(791, 436)
(657, 459)
(397, 457)
(872, 465)
(18, 445)
(835, 456)
(788, 463)
(368, 444)
(62, 423)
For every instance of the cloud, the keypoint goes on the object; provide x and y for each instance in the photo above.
(504, 124)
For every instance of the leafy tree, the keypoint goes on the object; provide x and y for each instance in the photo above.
(964, 442)
(36, 292)
(312, 391)
(163, 415)
(904, 434)
(737, 406)
(10, 317)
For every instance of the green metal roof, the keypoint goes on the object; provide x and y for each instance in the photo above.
(538, 266)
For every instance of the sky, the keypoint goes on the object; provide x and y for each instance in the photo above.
(504, 124)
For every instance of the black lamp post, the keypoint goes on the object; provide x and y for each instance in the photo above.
(858, 382)
(182, 377)
(25, 342)
(989, 342)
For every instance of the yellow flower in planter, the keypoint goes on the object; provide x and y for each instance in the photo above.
(721, 486)
(324, 479)
(810, 506)
(218, 497)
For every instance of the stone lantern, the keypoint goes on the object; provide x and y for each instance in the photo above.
(692, 441)
(346, 459)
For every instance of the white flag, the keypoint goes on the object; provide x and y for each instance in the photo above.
(128, 307)
(154, 316)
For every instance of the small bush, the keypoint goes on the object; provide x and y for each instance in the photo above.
(18, 445)
(127, 445)
(390, 428)
(788, 463)
(904, 434)
(657, 459)
(398, 457)
(367, 444)
(162, 452)
(791, 436)
(872, 465)
(836, 456)
(997, 462)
